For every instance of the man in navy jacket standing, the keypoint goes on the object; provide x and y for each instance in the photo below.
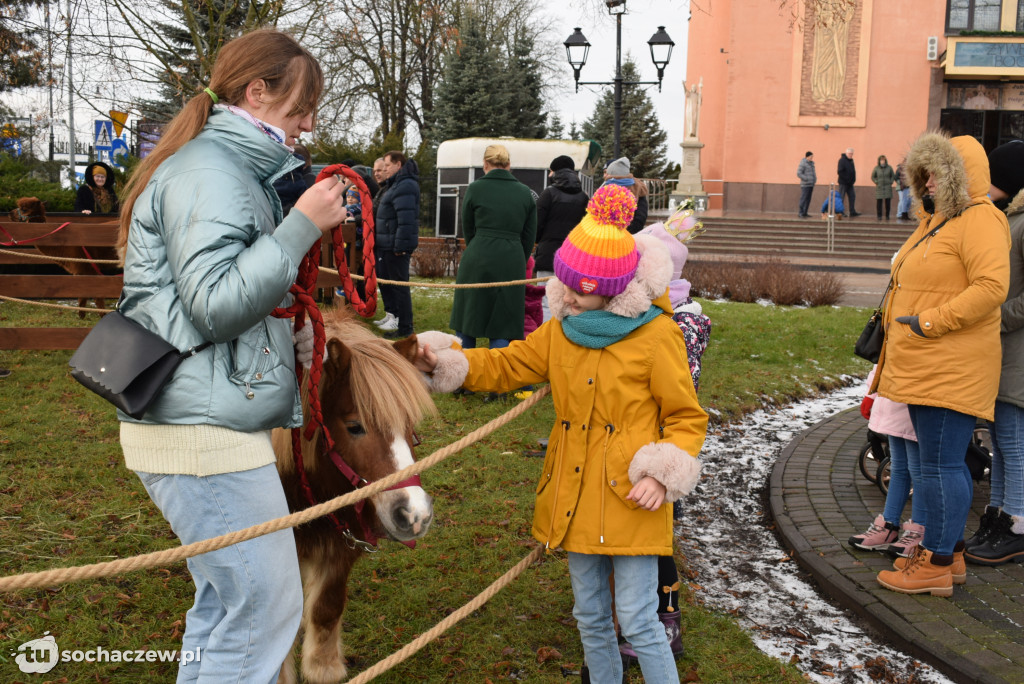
(397, 234)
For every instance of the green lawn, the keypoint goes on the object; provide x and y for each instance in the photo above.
(66, 499)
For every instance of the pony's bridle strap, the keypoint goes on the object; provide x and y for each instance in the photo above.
(359, 482)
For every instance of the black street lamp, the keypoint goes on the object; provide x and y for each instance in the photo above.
(577, 47)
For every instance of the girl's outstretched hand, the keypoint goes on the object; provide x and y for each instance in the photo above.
(648, 493)
(426, 360)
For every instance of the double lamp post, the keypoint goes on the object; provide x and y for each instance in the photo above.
(577, 48)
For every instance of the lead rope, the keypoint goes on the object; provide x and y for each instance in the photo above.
(305, 304)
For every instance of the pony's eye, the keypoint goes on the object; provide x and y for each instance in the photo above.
(354, 428)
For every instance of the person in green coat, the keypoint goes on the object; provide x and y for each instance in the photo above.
(499, 223)
(883, 176)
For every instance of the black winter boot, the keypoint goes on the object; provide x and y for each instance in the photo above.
(1003, 546)
(985, 528)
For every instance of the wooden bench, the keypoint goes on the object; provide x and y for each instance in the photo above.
(25, 276)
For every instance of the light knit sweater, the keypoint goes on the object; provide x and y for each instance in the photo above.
(193, 449)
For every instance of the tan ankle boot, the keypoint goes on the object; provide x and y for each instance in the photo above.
(919, 576)
(959, 567)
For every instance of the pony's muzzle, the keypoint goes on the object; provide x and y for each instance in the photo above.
(406, 513)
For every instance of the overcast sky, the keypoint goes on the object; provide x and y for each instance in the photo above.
(639, 23)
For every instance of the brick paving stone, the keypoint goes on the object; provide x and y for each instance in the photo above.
(819, 492)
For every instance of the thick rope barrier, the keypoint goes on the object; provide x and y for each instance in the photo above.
(68, 307)
(45, 257)
(56, 576)
(441, 627)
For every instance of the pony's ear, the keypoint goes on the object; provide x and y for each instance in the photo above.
(407, 348)
(338, 356)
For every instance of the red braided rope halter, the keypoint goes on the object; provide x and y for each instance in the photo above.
(305, 303)
(368, 308)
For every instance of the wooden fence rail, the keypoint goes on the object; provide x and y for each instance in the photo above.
(25, 276)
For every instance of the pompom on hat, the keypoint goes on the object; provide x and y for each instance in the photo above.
(599, 256)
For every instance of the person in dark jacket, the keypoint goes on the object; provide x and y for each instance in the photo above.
(883, 176)
(96, 195)
(291, 185)
(808, 177)
(561, 207)
(617, 173)
(847, 173)
(398, 235)
(499, 222)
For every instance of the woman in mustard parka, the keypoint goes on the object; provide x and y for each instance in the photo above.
(627, 426)
(941, 355)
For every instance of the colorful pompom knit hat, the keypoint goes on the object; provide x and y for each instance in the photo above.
(599, 256)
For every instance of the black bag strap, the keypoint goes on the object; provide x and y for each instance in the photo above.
(930, 233)
(191, 351)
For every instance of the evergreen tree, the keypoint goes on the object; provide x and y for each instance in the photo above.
(574, 131)
(473, 98)
(528, 120)
(192, 46)
(488, 90)
(21, 59)
(556, 129)
(641, 138)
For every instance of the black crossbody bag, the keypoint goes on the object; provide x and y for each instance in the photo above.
(125, 363)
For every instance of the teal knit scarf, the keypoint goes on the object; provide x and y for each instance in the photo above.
(598, 329)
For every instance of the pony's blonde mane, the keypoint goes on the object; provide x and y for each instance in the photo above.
(388, 392)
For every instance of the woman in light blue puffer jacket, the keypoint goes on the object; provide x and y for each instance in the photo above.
(207, 258)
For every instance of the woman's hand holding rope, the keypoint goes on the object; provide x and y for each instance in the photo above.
(324, 203)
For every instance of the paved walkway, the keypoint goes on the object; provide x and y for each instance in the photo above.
(819, 498)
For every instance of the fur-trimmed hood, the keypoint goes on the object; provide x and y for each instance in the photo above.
(653, 274)
(960, 167)
(1016, 205)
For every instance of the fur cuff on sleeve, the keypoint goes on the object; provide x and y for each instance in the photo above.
(452, 365)
(669, 465)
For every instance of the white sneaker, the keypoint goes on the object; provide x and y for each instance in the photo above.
(388, 318)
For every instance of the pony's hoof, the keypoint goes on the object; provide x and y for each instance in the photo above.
(323, 673)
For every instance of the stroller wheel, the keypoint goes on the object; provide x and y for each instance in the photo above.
(868, 463)
(882, 476)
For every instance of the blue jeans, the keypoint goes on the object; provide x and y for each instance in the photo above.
(1007, 476)
(636, 603)
(943, 435)
(904, 473)
(904, 206)
(248, 600)
(468, 342)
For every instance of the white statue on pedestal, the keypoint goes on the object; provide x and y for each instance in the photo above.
(691, 111)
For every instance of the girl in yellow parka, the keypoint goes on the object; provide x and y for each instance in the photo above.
(627, 426)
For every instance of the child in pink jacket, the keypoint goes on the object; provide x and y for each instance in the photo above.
(891, 418)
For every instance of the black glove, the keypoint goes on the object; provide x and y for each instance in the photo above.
(913, 322)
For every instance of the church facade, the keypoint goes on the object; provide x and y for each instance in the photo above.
(782, 79)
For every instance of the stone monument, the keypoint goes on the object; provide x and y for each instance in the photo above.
(691, 185)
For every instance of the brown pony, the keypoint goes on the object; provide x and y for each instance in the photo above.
(32, 210)
(372, 397)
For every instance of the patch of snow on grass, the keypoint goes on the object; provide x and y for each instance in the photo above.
(741, 569)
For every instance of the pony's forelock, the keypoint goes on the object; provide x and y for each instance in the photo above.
(388, 392)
